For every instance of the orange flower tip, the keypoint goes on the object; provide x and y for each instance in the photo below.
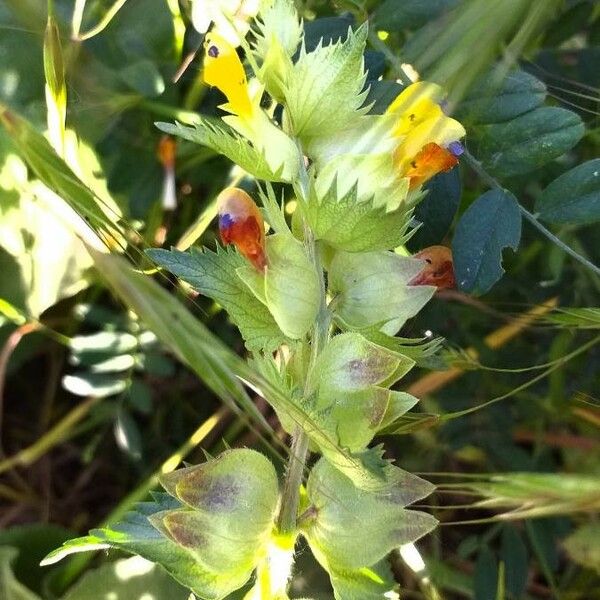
(247, 235)
(438, 270)
(166, 151)
(431, 160)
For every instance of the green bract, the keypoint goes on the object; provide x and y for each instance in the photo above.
(373, 288)
(352, 528)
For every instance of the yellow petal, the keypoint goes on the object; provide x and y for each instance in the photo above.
(223, 69)
(439, 129)
(415, 104)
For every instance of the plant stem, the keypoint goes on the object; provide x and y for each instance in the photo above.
(494, 184)
(290, 498)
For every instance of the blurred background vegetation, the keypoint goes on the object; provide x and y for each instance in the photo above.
(92, 405)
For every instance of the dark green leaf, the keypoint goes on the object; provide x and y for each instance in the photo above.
(529, 141)
(574, 197)
(128, 436)
(490, 224)
(514, 555)
(381, 95)
(486, 575)
(326, 30)
(436, 211)
(493, 100)
(396, 15)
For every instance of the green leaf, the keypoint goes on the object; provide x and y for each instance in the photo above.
(490, 224)
(494, 100)
(223, 139)
(437, 210)
(10, 588)
(135, 534)
(323, 92)
(214, 274)
(372, 288)
(343, 513)
(127, 435)
(397, 15)
(143, 77)
(515, 557)
(347, 224)
(92, 384)
(529, 141)
(292, 289)
(573, 198)
(130, 579)
(583, 547)
(486, 575)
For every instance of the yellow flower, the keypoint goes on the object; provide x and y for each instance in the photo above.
(223, 69)
(424, 132)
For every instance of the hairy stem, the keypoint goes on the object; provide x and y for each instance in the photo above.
(290, 497)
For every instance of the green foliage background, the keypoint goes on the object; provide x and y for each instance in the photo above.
(93, 404)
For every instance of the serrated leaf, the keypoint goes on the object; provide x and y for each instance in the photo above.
(528, 141)
(214, 274)
(437, 210)
(292, 290)
(493, 100)
(352, 226)
(574, 197)
(135, 534)
(223, 139)
(372, 288)
(343, 513)
(323, 92)
(490, 224)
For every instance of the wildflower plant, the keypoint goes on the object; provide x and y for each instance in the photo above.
(318, 302)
